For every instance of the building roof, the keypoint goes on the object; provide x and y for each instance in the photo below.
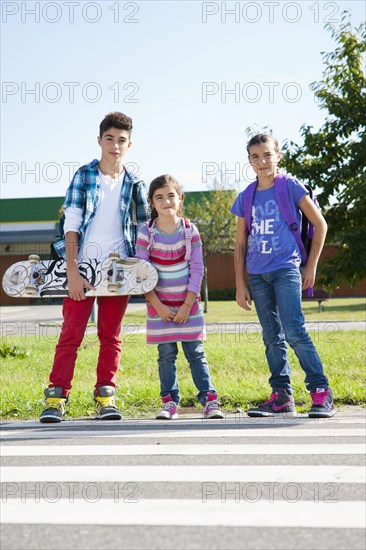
(35, 220)
(46, 209)
(41, 209)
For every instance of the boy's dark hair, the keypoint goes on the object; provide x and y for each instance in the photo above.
(158, 183)
(258, 139)
(115, 120)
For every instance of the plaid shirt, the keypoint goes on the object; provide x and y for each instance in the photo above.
(84, 191)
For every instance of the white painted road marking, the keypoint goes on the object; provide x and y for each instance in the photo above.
(172, 432)
(281, 474)
(166, 450)
(176, 512)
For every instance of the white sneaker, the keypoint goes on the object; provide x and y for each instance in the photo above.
(169, 411)
(212, 410)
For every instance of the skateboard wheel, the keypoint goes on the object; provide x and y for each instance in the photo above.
(114, 256)
(112, 287)
(30, 291)
(33, 258)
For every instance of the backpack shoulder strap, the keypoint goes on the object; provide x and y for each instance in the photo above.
(134, 203)
(61, 225)
(150, 228)
(284, 204)
(188, 237)
(248, 197)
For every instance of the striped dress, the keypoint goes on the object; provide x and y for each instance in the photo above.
(176, 277)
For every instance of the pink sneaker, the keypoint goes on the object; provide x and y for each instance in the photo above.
(212, 407)
(169, 410)
(322, 406)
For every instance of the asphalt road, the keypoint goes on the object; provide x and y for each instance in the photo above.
(186, 484)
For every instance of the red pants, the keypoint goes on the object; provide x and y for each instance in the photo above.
(76, 315)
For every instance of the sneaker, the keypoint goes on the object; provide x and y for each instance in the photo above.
(212, 407)
(105, 405)
(280, 403)
(55, 405)
(322, 406)
(169, 410)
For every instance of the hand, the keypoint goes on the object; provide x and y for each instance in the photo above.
(165, 313)
(243, 298)
(308, 273)
(76, 285)
(182, 314)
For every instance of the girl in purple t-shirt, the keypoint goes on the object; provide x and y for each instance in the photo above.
(273, 259)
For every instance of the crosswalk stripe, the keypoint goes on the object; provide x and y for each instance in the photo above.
(273, 473)
(55, 433)
(306, 475)
(174, 512)
(241, 420)
(135, 450)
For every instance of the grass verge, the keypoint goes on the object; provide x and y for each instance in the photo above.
(237, 362)
(336, 309)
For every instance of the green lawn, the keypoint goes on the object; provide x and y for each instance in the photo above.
(336, 309)
(237, 363)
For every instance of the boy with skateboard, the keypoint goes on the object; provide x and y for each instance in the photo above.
(104, 205)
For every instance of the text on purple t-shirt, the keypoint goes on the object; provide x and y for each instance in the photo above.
(271, 244)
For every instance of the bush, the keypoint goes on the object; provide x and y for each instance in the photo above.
(221, 294)
(12, 351)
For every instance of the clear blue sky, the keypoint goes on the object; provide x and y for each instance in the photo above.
(151, 60)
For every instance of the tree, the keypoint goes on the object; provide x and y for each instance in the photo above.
(216, 225)
(334, 157)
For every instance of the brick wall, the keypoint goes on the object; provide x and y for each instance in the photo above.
(221, 274)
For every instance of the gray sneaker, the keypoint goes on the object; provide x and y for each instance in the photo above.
(280, 404)
(55, 406)
(105, 404)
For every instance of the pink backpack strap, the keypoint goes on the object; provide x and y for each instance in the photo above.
(188, 237)
(150, 228)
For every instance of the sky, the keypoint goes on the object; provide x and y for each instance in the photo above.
(192, 75)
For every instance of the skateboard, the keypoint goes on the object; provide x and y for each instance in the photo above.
(113, 276)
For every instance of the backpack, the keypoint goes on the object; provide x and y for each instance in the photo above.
(187, 234)
(54, 255)
(304, 234)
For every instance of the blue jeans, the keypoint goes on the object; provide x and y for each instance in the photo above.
(196, 358)
(277, 297)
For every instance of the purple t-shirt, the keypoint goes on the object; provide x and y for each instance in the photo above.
(271, 244)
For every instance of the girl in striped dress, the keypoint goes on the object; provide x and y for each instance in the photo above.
(174, 313)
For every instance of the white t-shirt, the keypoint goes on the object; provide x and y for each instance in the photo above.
(104, 233)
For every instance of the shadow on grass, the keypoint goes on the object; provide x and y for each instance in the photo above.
(350, 308)
(336, 308)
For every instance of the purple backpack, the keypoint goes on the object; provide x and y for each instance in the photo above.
(304, 234)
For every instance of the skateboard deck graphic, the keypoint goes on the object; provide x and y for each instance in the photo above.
(113, 276)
